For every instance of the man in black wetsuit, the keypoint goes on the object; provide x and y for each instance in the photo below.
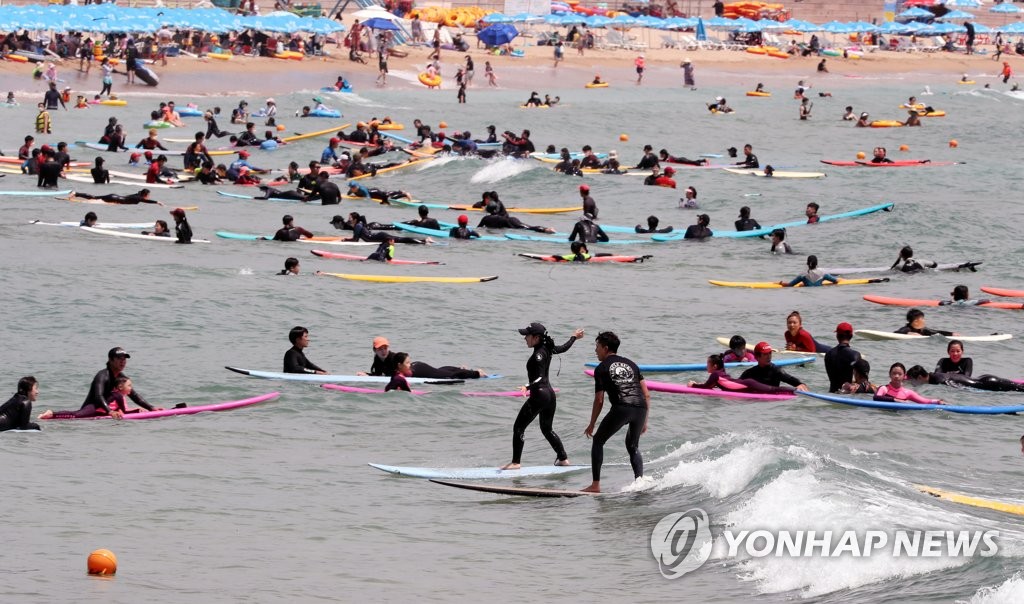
(16, 413)
(840, 359)
(649, 159)
(463, 231)
(766, 372)
(295, 360)
(100, 389)
(621, 379)
(589, 205)
(424, 220)
(49, 171)
(290, 232)
(919, 375)
(587, 230)
(52, 97)
(542, 396)
(750, 160)
(493, 220)
(329, 192)
(135, 198)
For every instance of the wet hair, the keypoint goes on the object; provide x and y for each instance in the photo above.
(291, 263)
(423, 210)
(703, 219)
(953, 343)
(914, 314)
(906, 252)
(898, 364)
(91, 216)
(862, 367)
(120, 380)
(609, 340)
(780, 233)
(795, 313)
(960, 292)
(163, 223)
(99, 161)
(357, 217)
(812, 262)
(716, 361)
(400, 358)
(814, 205)
(25, 384)
(297, 332)
(578, 247)
(737, 342)
(916, 372)
(652, 222)
(745, 212)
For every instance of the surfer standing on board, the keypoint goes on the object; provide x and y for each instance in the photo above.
(542, 396)
(627, 391)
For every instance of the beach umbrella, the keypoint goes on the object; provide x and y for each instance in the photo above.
(718, 23)
(862, 26)
(955, 15)
(497, 34)
(1013, 28)
(938, 29)
(497, 18)
(679, 23)
(892, 27)
(649, 21)
(622, 21)
(770, 24)
(525, 18)
(378, 12)
(963, 3)
(378, 23)
(801, 26)
(1006, 8)
(598, 21)
(982, 29)
(836, 27)
(702, 34)
(746, 25)
(915, 12)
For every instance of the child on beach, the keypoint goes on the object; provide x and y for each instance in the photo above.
(492, 80)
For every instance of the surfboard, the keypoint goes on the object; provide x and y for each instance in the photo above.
(314, 240)
(871, 334)
(680, 367)
(241, 196)
(724, 341)
(625, 259)
(978, 502)
(1001, 291)
(98, 225)
(565, 240)
(887, 301)
(151, 185)
(37, 193)
(358, 390)
(382, 171)
(152, 238)
(470, 208)
(476, 473)
(872, 404)
(299, 136)
(904, 163)
(189, 410)
(775, 285)
(765, 231)
(953, 266)
(776, 173)
(336, 256)
(441, 234)
(522, 491)
(410, 279)
(328, 379)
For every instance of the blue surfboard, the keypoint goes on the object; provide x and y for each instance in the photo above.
(872, 404)
(665, 368)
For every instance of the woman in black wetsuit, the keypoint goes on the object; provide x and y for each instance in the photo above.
(919, 375)
(362, 232)
(16, 413)
(385, 363)
(542, 396)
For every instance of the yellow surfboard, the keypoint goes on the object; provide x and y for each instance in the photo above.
(324, 132)
(999, 506)
(408, 164)
(408, 279)
(776, 285)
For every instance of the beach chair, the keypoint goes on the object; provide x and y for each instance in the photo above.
(688, 42)
(667, 41)
(612, 40)
(633, 43)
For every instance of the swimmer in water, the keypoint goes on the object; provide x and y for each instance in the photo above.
(894, 391)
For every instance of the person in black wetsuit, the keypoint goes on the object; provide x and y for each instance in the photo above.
(463, 231)
(746, 223)
(384, 363)
(16, 413)
(295, 360)
(919, 375)
(182, 230)
(839, 359)
(403, 369)
(289, 232)
(589, 205)
(361, 232)
(649, 159)
(652, 226)
(587, 230)
(424, 220)
(699, 230)
(135, 198)
(493, 220)
(542, 396)
(749, 160)
(627, 392)
(766, 372)
(956, 362)
(96, 402)
(100, 175)
(49, 171)
(665, 156)
(915, 324)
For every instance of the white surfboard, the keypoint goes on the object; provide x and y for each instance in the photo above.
(152, 238)
(477, 473)
(871, 334)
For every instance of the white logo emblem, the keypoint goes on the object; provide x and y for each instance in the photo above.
(681, 542)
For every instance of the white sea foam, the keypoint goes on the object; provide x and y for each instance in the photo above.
(1010, 591)
(500, 170)
(722, 476)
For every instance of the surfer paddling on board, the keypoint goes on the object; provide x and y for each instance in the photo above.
(919, 375)
(627, 391)
(385, 364)
(103, 384)
(135, 198)
(295, 360)
(541, 399)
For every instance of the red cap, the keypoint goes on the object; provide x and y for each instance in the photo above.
(762, 347)
(584, 187)
(243, 153)
(148, 154)
(463, 219)
(134, 157)
(335, 140)
(844, 328)
(670, 170)
(178, 212)
(45, 148)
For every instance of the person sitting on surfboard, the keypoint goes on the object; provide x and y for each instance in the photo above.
(738, 352)
(861, 383)
(463, 231)
(768, 373)
(699, 230)
(96, 402)
(580, 253)
(403, 369)
(652, 226)
(919, 375)
(534, 100)
(760, 88)
(716, 370)
(915, 324)
(424, 221)
(879, 156)
(341, 84)
(894, 391)
(812, 278)
(385, 252)
(295, 360)
(16, 413)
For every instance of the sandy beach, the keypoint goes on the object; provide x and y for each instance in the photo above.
(184, 74)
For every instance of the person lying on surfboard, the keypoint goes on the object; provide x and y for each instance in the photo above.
(664, 156)
(812, 278)
(955, 361)
(894, 391)
(915, 324)
(879, 156)
(141, 197)
(919, 375)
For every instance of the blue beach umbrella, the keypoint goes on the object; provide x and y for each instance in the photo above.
(801, 26)
(1013, 28)
(955, 15)
(598, 21)
(378, 23)
(622, 21)
(1005, 8)
(496, 18)
(719, 23)
(914, 13)
(525, 18)
(497, 34)
(963, 3)
(702, 34)
(836, 27)
(649, 21)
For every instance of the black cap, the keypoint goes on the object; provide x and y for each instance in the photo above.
(337, 218)
(533, 329)
(117, 351)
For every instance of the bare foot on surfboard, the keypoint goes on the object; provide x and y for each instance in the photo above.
(595, 487)
(562, 462)
(510, 466)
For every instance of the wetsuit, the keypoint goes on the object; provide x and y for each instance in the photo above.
(749, 162)
(641, 229)
(696, 231)
(461, 232)
(648, 161)
(541, 401)
(196, 155)
(385, 366)
(328, 192)
(183, 232)
(712, 381)
(590, 206)
(385, 252)
(839, 366)
(361, 232)
(100, 176)
(134, 198)
(965, 366)
(16, 413)
(620, 379)
(398, 382)
(590, 161)
(291, 234)
(52, 99)
(924, 331)
(295, 361)
(49, 173)
(982, 382)
(99, 393)
(769, 374)
(588, 232)
(812, 278)
(747, 224)
(881, 160)
(671, 159)
(213, 130)
(425, 223)
(422, 370)
(272, 193)
(493, 221)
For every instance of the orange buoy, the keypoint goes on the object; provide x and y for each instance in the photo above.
(861, 155)
(102, 562)
(623, 137)
(442, 125)
(953, 144)
(904, 148)
(280, 127)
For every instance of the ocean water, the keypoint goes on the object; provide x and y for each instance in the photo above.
(276, 502)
